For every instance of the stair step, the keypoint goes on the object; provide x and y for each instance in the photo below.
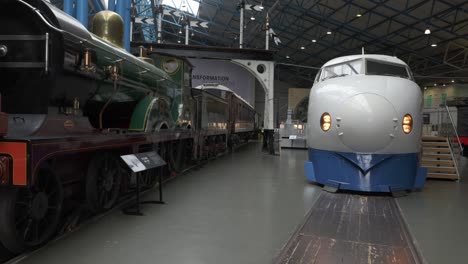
(435, 144)
(436, 150)
(436, 156)
(429, 138)
(441, 169)
(447, 176)
(443, 163)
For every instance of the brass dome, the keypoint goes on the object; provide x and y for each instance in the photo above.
(109, 26)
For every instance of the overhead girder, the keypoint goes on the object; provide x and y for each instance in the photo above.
(351, 28)
(298, 21)
(396, 32)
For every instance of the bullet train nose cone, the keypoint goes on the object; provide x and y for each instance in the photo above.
(366, 123)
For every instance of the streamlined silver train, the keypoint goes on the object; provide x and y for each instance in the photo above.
(364, 125)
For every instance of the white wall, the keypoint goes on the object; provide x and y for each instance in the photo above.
(436, 93)
(224, 73)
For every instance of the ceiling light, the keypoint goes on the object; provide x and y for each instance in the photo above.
(287, 57)
(302, 48)
(359, 14)
(178, 41)
(261, 7)
(180, 31)
(427, 31)
(443, 84)
(435, 84)
(329, 32)
(453, 81)
(425, 88)
(314, 40)
(252, 18)
(193, 34)
(433, 45)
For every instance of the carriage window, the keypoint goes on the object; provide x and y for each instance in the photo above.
(317, 78)
(342, 69)
(386, 69)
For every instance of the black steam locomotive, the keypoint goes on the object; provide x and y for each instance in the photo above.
(72, 102)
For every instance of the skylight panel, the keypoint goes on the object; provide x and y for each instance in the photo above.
(189, 6)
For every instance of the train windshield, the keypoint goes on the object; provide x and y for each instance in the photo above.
(341, 69)
(374, 67)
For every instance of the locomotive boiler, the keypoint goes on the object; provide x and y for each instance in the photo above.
(364, 125)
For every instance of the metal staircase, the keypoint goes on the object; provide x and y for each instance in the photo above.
(441, 154)
(438, 158)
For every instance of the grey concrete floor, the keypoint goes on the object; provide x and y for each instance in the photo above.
(438, 219)
(241, 208)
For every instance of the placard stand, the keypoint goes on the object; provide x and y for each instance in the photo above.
(138, 163)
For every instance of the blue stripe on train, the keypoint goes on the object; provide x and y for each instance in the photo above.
(365, 172)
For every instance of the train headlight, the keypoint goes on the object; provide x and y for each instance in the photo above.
(325, 122)
(407, 123)
(299, 127)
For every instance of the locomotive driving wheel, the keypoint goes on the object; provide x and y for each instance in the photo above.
(103, 182)
(30, 216)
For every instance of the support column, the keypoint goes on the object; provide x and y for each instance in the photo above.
(123, 9)
(160, 24)
(68, 7)
(267, 32)
(187, 33)
(264, 72)
(111, 5)
(119, 7)
(82, 12)
(241, 27)
(98, 6)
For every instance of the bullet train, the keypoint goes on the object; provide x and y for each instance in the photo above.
(365, 126)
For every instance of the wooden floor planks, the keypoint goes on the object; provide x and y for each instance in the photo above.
(348, 228)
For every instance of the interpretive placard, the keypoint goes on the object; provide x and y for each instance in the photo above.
(143, 161)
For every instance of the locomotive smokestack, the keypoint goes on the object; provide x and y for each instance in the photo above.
(109, 26)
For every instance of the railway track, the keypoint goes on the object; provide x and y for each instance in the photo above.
(352, 228)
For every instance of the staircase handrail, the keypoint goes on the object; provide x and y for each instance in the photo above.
(454, 128)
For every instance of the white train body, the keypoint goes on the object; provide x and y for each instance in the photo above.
(366, 98)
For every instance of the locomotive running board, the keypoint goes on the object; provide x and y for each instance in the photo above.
(349, 228)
